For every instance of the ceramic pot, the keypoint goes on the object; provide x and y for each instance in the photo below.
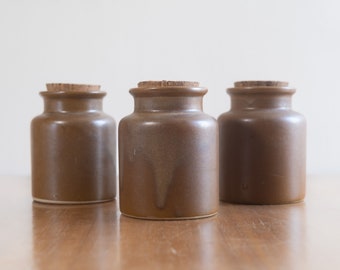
(168, 153)
(262, 145)
(73, 147)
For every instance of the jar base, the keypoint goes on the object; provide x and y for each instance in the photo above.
(69, 202)
(264, 203)
(169, 218)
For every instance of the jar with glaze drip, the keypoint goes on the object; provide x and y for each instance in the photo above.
(168, 153)
(262, 145)
(73, 147)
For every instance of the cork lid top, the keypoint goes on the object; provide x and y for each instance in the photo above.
(68, 87)
(261, 84)
(164, 83)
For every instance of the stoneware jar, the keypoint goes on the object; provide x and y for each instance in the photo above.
(73, 147)
(262, 145)
(168, 153)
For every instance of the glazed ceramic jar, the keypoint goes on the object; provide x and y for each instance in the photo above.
(168, 153)
(73, 147)
(262, 145)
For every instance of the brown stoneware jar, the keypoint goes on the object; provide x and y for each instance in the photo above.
(73, 147)
(262, 145)
(168, 153)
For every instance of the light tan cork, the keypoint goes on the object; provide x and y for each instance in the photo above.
(150, 84)
(68, 87)
(261, 83)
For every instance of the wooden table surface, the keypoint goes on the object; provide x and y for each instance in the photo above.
(297, 236)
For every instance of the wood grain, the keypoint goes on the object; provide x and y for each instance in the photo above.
(298, 236)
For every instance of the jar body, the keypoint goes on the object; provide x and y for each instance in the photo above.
(73, 151)
(168, 161)
(262, 150)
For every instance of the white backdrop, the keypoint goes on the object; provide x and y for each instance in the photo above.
(117, 43)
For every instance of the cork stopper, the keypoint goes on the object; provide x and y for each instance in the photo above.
(67, 87)
(152, 84)
(261, 84)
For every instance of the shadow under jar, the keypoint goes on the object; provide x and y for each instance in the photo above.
(168, 153)
(262, 145)
(73, 147)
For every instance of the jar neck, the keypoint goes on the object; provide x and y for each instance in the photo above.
(153, 96)
(260, 101)
(252, 95)
(73, 102)
(168, 103)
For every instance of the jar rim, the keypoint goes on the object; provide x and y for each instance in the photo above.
(261, 87)
(168, 88)
(75, 94)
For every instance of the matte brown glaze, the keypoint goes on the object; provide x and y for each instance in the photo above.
(168, 153)
(262, 145)
(73, 147)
